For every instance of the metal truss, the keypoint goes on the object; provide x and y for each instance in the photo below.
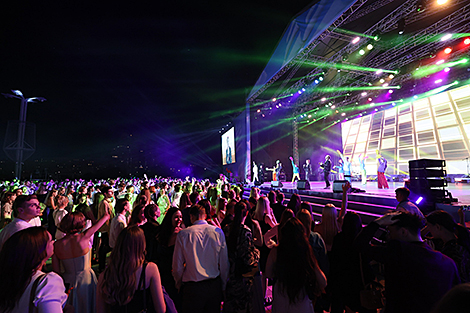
(369, 9)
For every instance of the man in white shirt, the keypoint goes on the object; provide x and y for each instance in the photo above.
(119, 222)
(25, 209)
(59, 213)
(200, 264)
(105, 205)
(404, 204)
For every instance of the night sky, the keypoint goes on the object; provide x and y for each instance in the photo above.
(158, 71)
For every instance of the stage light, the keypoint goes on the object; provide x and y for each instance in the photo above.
(438, 81)
(390, 91)
(316, 81)
(440, 62)
(372, 104)
(415, 97)
(447, 69)
(300, 92)
(385, 85)
(369, 99)
(339, 71)
(274, 99)
(280, 105)
(441, 2)
(382, 80)
(394, 104)
(401, 26)
(447, 50)
(258, 111)
(364, 94)
(323, 99)
(343, 114)
(333, 106)
(263, 115)
(376, 110)
(446, 37)
(355, 40)
(291, 94)
(376, 38)
(391, 76)
(320, 78)
(362, 52)
(370, 47)
(309, 116)
(303, 89)
(378, 72)
(419, 200)
(326, 105)
(467, 41)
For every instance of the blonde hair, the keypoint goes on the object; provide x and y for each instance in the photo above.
(329, 224)
(262, 207)
(62, 201)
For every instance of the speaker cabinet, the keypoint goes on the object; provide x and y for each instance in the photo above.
(276, 184)
(303, 185)
(338, 185)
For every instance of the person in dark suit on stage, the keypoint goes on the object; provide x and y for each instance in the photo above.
(228, 152)
(307, 169)
(326, 166)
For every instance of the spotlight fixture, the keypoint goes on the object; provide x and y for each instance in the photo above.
(467, 41)
(320, 78)
(378, 72)
(385, 85)
(447, 50)
(438, 81)
(370, 47)
(441, 2)
(362, 52)
(369, 99)
(440, 62)
(355, 40)
(391, 76)
(364, 94)
(447, 69)
(316, 81)
(323, 99)
(390, 91)
(258, 110)
(274, 99)
(446, 37)
(382, 80)
(401, 26)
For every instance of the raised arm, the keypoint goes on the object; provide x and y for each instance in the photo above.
(156, 288)
(93, 229)
(344, 201)
(341, 155)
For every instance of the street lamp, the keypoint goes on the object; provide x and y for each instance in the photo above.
(19, 146)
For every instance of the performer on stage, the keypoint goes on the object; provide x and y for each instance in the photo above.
(255, 172)
(307, 169)
(381, 167)
(340, 169)
(362, 166)
(346, 166)
(276, 170)
(326, 166)
(228, 152)
(295, 170)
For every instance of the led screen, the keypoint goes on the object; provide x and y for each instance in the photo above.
(437, 127)
(228, 146)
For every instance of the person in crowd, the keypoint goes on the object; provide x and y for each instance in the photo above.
(7, 208)
(254, 193)
(243, 257)
(315, 240)
(272, 197)
(402, 195)
(274, 232)
(85, 208)
(229, 213)
(294, 203)
(120, 221)
(59, 213)
(265, 217)
(298, 278)
(456, 239)
(151, 228)
(200, 264)
(121, 191)
(185, 205)
(220, 211)
(331, 221)
(349, 271)
(129, 279)
(175, 197)
(279, 206)
(210, 212)
(137, 216)
(72, 253)
(163, 202)
(455, 300)
(25, 208)
(166, 238)
(24, 287)
(105, 208)
(416, 276)
(51, 206)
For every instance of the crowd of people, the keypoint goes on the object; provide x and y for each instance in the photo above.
(172, 245)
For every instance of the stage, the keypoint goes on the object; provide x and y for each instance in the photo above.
(371, 202)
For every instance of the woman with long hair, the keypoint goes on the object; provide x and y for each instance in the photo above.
(163, 201)
(456, 240)
(138, 216)
(7, 208)
(122, 285)
(294, 203)
(51, 206)
(298, 278)
(72, 253)
(21, 259)
(243, 257)
(166, 238)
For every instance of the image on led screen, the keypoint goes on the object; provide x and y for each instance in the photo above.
(437, 127)
(228, 147)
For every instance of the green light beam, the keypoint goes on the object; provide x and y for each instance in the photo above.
(434, 68)
(350, 32)
(343, 66)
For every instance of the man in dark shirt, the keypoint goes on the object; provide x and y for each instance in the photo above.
(326, 170)
(416, 276)
(279, 206)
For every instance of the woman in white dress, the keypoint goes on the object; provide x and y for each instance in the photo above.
(72, 253)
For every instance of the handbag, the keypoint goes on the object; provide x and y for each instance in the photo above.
(372, 296)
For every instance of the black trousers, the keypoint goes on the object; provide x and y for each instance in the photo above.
(327, 176)
(203, 296)
(104, 249)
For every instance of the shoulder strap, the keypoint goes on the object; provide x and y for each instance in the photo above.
(33, 292)
(142, 285)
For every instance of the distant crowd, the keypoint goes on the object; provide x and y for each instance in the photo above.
(188, 245)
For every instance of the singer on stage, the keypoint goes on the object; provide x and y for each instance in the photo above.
(307, 169)
(326, 166)
(381, 167)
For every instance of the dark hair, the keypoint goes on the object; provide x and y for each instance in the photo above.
(352, 225)
(72, 223)
(413, 223)
(20, 256)
(403, 191)
(105, 189)
(184, 200)
(444, 219)
(306, 206)
(272, 197)
(120, 203)
(207, 205)
(136, 215)
(294, 203)
(20, 201)
(166, 229)
(295, 264)
(194, 197)
(197, 210)
(240, 211)
(280, 197)
(150, 208)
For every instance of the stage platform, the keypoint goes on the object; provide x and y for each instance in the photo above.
(371, 202)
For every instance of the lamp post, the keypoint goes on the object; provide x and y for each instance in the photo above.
(19, 147)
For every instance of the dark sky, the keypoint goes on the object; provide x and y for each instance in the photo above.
(155, 70)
